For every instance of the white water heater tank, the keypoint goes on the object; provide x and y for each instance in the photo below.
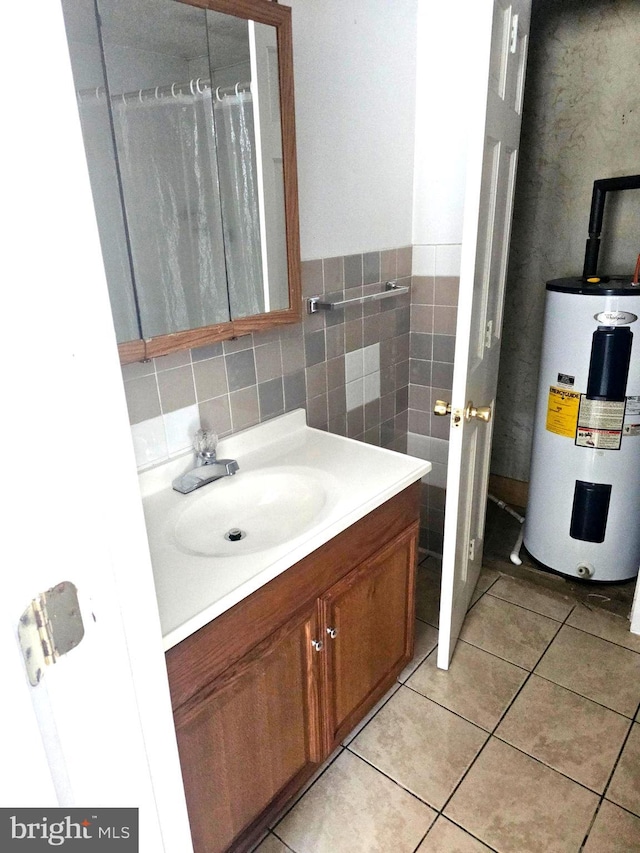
(583, 513)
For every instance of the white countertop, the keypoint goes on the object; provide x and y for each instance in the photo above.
(192, 589)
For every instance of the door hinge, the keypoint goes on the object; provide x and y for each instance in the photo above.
(472, 550)
(50, 627)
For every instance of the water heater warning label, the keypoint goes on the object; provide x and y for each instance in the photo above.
(600, 424)
(603, 439)
(562, 411)
(632, 417)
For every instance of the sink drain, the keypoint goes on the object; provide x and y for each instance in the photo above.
(234, 535)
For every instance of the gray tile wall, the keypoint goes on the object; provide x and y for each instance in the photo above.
(238, 383)
(434, 302)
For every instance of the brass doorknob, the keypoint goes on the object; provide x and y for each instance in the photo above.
(442, 408)
(483, 413)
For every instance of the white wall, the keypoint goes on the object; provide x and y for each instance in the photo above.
(440, 138)
(444, 39)
(381, 149)
(354, 63)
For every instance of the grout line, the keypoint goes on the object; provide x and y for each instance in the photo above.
(268, 833)
(465, 774)
(445, 708)
(305, 789)
(597, 812)
(623, 808)
(430, 624)
(351, 736)
(395, 781)
(513, 663)
(604, 639)
(530, 609)
(531, 672)
(505, 712)
(494, 655)
(424, 622)
(582, 696)
(463, 829)
(479, 598)
(275, 835)
(548, 766)
(421, 841)
(591, 824)
(522, 607)
(287, 846)
(616, 762)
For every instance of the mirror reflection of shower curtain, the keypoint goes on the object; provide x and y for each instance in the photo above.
(233, 116)
(171, 196)
(101, 160)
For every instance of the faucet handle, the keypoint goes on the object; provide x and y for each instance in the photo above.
(205, 442)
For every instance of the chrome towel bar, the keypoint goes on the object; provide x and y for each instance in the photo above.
(392, 288)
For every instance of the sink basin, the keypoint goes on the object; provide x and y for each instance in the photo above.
(251, 511)
(296, 489)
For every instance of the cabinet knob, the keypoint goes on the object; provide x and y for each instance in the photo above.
(318, 645)
(332, 632)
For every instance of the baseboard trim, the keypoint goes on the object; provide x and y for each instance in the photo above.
(512, 492)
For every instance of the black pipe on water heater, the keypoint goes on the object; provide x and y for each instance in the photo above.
(600, 190)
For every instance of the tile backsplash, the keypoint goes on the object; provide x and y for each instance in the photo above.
(369, 371)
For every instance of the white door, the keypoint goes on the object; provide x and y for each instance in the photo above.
(496, 83)
(97, 730)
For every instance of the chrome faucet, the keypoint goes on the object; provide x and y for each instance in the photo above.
(208, 468)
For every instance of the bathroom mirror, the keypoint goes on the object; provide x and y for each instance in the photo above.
(187, 118)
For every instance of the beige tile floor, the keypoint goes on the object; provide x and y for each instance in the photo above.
(530, 743)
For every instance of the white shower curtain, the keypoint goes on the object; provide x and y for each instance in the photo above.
(171, 196)
(98, 141)
(240, 212)
(189, 187)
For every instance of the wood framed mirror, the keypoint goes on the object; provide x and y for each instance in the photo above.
(187, 112)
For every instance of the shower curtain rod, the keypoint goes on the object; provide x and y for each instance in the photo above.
(193, 87)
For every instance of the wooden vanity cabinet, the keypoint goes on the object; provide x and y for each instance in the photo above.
(251, 732)
(264, 693)
(368, 619)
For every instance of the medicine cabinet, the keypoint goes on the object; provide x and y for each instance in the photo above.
(188, 122)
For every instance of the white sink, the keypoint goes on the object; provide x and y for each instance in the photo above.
(251, 511)
(296, 488)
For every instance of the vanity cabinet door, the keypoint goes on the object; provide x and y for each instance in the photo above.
(369, 629)
(250, 735)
